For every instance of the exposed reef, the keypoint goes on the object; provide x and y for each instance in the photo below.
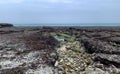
(60, 50)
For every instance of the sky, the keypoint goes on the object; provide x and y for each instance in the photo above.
(60, 11)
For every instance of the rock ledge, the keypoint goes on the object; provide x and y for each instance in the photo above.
(6, 25)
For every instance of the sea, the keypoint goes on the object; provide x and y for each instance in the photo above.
(70, 24)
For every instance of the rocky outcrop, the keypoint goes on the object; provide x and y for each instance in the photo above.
(43, 42)
(6, 25)
(40, 51)
(27, 54)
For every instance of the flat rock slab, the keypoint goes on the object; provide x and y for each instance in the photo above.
(108, 59)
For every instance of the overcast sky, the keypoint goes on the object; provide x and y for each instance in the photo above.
(60, 11)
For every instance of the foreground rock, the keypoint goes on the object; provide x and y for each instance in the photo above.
(72, 58)
(20, 54)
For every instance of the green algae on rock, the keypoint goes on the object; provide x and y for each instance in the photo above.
(63, 36)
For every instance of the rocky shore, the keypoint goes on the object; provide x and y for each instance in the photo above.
(5, 25)
(60, 50)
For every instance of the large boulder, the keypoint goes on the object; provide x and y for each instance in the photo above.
(6, 25)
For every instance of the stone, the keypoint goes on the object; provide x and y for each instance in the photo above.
(6, 25)
(95, 71)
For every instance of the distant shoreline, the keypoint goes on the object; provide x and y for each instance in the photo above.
(74, 24)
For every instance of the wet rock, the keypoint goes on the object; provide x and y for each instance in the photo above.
(97, 46)
(108, 59)
(38, 41)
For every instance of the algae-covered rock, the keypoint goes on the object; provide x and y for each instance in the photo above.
(61, 36)
(72, 58)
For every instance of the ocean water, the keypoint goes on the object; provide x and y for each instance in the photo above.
(78, 24)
